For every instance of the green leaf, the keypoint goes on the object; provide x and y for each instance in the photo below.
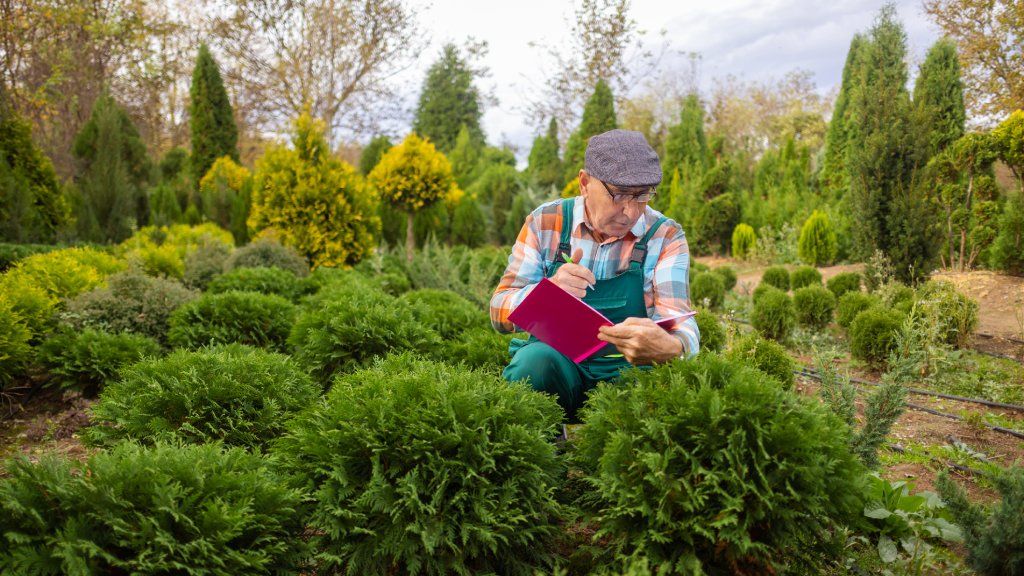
(887, 549)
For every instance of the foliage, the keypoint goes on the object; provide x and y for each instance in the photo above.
(469, 223)
(598, 117)
(804, 276)
(15, 351)
(250, 318)
(162, 251)
(445, 312)
(708, 290)
(224, 195)
(480, 348)
(481, 501)
(712, 334)
(939, 99)
(312, 201)
(817, 245)
(149, 510)
(873, 334)
(543, 165)
(89, 359)
(766, 355)
(954, 315)
(234, 394)
(776, 276)
(773, 315)
(727, 274)
(761, 290)
(472, 274)
(164, 208)
(716, 220)
(497, 187)
(843, 283)
(835, 174)
(1008, 247)
(204, 263)
(814, 306)
(262, 280)
(671, 453)
(267, 252)
(11, 253)
(853, 303)
(878, 271)
(743, 241)
(686, 144)
(448, 100)
(211, 119)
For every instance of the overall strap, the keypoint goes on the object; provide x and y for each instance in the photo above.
(640, 248)
(564, 247)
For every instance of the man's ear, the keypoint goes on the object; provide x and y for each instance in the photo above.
(584, 180)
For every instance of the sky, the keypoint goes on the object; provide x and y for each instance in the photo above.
(750, 39)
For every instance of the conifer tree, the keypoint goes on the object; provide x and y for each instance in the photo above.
(465, 157)
(544, 165)
(938, 101)
(686, 144)
(370, 156)
(598, 117)
(834, 173)
(449, 100)
(211, 118)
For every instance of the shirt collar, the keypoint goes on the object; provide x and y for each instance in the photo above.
(579, 218)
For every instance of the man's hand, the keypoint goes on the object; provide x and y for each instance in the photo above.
(574, 278)
(642, 341)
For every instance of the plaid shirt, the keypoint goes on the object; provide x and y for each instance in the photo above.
(666, 268)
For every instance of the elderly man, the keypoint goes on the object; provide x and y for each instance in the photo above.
(608, 247)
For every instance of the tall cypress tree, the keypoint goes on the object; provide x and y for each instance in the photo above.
(598, 117)
(834, 172)
(211, 118)
(448, 101)
(544, 165)
(686, 144)
(938, 101)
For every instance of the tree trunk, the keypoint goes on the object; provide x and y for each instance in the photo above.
(410, 237)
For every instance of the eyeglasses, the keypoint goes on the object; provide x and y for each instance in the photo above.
(622, 197)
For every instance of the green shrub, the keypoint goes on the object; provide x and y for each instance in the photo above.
(479, 348)
(728, 276)
(894, 294)
(445, 312)
(773, 315)
(263, 320)
(162, 250)
(62, 274)
(205, 263)
(470, 273)
(87, 360)
(268, 253)
(701, 466)
(11, 253)
(707, 290)
(814, 306)
(262, 280)
(712, 335)
(421, 467)
(853, 303)
(804, 276)
(767, 356)
(345, 332)
(776, 276)
(15, 351)
(160, 510)
(994, 537)
(392, 283)
(1007, 253)
(131, 302)
(698, 268)
(844, 282)
(818, 244)
(955, 314)
(743, 242)
(235, 394)
(761, 289)
(873, 334)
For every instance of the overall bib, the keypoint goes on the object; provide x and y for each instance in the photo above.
(618, 298)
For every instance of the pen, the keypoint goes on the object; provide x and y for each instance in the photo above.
(568, 260)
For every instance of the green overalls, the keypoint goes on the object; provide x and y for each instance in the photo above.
(617, 298)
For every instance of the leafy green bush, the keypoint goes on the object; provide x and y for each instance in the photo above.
(994, 538)
(853, 303)
(701, 466)
(56, 276)
(698, 268)
(804, 276)
(162, 250)
(131, 302)
(743, 241)
(1007, 253)
(712, 335)
(159, 510)
(814, 306)
(955, 315)
(421, 467)
(873, 334)
(728, 276)
(894, 294)
(239, 395)
(263, 320)
(470, 273)
(707, 290)
(818, 243)
(905, 520)
(776, 276)
(844, 282)
(761, 289)
(268, 253)
(480, 348)
(767, 356)
(446, 312)
(262, 280)
(11, 253)
(205, 263)
(773, 315)
(87, 360)
(14, 343)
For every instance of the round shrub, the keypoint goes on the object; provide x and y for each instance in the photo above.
(263, 320)
(894, 294)
(150, 510)
(239, 395)
(776, 276)
(727, 274)
(36, 309)
(268, 253)
(162, 250)
(697, 268)
(712, 335)
(818, 244)
(761, 289)
(63, 274)
(707, 290)
(844, 282)
(422, 467)
(955, 314)
(814, 306)
(804, 276)
(89, 359)
(480, 348)
(392, 283)
(704, 464)
(773, 315)
(873, 334)
(851, 304)
(344, 333)
(743, 241)
(262, 280)
(15, 351)
(131, 302)
(446, 312)
(767, 356)
(205, 263)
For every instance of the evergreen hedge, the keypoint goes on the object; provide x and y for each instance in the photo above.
(445, 312)
(251, 318)
(804, 276)
(873, 334)
(773, 315)
(89, 359)
(844, 282)
(712, 335)
(853, 303)
(267, 252)
(814, 306)
(707, 290)
(767, 356)
(776, 276)
(263, 280)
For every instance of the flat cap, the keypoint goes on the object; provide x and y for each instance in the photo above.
(622, 158)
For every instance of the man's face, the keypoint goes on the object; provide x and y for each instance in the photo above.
(609, 218)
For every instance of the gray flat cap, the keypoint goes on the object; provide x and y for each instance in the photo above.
(622, 158)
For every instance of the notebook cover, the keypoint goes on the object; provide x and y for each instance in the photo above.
(561, 321)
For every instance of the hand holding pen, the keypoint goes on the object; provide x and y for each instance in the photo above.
(572, 277)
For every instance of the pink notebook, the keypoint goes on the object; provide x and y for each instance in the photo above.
(567, 323)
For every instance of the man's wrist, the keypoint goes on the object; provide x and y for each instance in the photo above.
(682, 343)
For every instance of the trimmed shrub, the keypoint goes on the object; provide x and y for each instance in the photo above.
(161, 251)
(480, 348)
(728, 276)
(36, 309)
(204, 264)
(392, 283)
(955, 314)
(421, 467)
(707, 290)
(853, 303)
(814, 306)
(445, 312)
(89, 359)
(767, 356)
(267, 252)
(773, 315)
(262, 320)
(894, 294)
(235, 394)
(712, 335)
(743, 242)
(844, 282)
(63, 274)
(818, 244)
(14, 343)
(804, 276)
(776, 276)
(131, 302)
(761, 289)
(873, 334)
(11, 253)
(262, 280)
(994, 537)
(698, 268)
(701, 466)
(138, 510)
